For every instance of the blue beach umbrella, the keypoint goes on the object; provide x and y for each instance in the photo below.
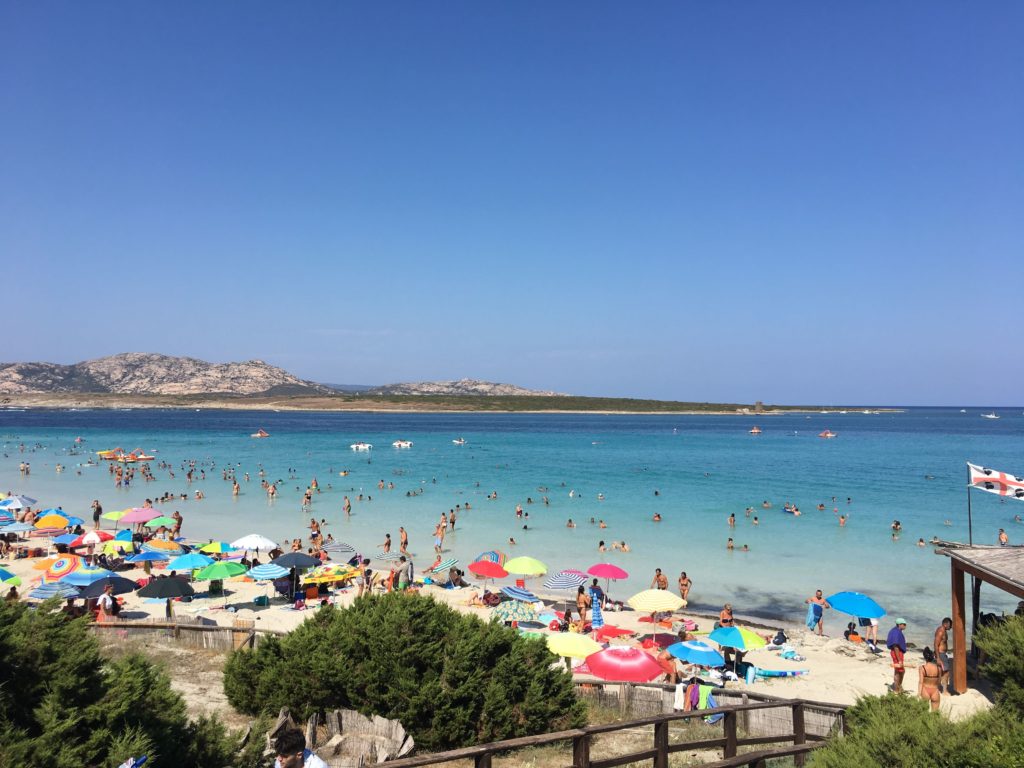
(17, 502)
(64, 538)
(267, 572)
(19, 528)
(46, 591)
(83, 577)
(125, 534)
(6, 575)
(189, 561)
(696, 652)
(518, 593)
(740, 638)
(72, 520)
(856, 604)
(150, 557)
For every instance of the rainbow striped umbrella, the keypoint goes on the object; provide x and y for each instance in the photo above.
(216, 547)
(492, 555)
(62, 567)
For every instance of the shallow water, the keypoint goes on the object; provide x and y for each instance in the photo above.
(909, 466)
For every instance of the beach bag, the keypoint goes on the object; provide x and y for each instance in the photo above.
(780, 638)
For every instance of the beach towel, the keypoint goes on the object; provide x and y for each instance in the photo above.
(812, 616)
(694, 691)
(712, 704)
(705, 692)
(679, 700)
(596, 616)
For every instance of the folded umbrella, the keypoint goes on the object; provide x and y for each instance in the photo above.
(856, 604)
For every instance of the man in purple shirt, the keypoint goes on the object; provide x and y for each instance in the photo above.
(897, 645)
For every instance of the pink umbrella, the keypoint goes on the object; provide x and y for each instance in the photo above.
(607, 571)
(628, 665)
(140, 515)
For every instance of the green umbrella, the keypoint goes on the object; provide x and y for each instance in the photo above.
(156, 522)
(525, 566)
(216, 546)
(224, 569)
(514, 610)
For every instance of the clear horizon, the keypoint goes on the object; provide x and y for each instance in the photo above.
(694, 202)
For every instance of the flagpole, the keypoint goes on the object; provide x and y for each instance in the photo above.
(970, 521)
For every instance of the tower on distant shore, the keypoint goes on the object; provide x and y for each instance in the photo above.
(758, 407)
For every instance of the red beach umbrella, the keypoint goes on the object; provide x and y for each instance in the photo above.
(488, 570)
(629, 665)
(92, 537)
(610, 631)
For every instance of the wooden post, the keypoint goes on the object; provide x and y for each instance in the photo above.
(483, 761)
(959, 629)
(661, 744)
(729, 725)
(581, 751)
(745, 717)
(799, 730)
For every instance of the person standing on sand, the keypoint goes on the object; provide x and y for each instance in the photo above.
(816, 611)
(942, 655)
(896, 642)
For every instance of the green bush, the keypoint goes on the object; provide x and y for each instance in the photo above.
(449, 678)
(1004, 664)
(62, 705)
(901, 731)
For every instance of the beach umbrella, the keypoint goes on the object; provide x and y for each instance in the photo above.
(117, 514)
(63, 566)
(608, 572)
(159, 545)
(492, 556)
(568, 579)
(254, 541)
(339, 548)
(125, 534)
(518, 593)
(660, 639)
(696, 652)
(73, 521)
(488, 569)
(150, 557)
(164, 520)
(296, 560)
(20, 528)
(46, 591)
(221, 570)
(655, 601)
(740, 638)
(856, 604)
(267, 572)
(6, 575)
(139, 515)
(525, 566)
(216, 547)
(92, 538)
(444, 565)
(15, 501)
(166, 588)
(572, 645)
(52, 521)
(45, 563)
(627, 665)
(513, 610)
(189, 562)
(85, 576)
(120, 584)
(64, 538)
(114, 547)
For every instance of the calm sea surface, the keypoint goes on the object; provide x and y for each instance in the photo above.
(908, 466)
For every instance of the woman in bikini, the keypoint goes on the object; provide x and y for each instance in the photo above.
(929, 674)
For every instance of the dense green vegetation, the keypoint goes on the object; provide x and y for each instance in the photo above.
(901, 730)
(62, 705)
(451, 679)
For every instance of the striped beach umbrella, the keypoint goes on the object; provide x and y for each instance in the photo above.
(568, 579)
(62, 567)
(150, 557)
(267, 572)
(16, 501)
(83, 577)
(46, 591)
(20, 528)
(514, 610)
(388, 556)
(518, 593)
(339, 548)
(216, 547)
(492, 555)
(92, 538)
(444, 565)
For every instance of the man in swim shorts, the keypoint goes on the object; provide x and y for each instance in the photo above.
(897, 645)
(818, 605)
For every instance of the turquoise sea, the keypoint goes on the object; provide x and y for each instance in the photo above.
(908, 466)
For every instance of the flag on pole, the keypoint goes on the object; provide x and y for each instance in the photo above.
(1002, 483)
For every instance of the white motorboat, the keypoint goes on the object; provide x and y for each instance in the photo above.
(361, 447)
(989, 416)
(459, 441)
(402, 444)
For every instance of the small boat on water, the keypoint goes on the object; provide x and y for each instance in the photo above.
(755, 431)
(828, 433)
(261, 433)
(459, 441)
(989, 415)
(133, 457)
(963, 410)
(402, 444)
(361, 447)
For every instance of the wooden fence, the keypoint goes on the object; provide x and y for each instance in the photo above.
(796, 743)
(191, 632)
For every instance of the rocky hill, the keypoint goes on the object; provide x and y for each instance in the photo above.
(148, 374)
(460, 387)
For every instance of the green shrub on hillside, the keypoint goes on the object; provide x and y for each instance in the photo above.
(62, 705)
(451, 679)
(1003, 645)
(901, 731)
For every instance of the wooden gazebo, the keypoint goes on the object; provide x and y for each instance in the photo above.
(1002, 567)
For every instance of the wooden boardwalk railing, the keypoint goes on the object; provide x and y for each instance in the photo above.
(798, 743)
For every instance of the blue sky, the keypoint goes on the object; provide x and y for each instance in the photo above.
(799, 203)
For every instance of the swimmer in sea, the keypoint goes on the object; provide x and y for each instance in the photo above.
(570, 524)
(729, 545)
(601, 547)
(755, 521)
(624, 546)
(657, 517)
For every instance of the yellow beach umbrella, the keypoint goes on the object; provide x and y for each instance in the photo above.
(572, 644)
(45, 564)
(117, 514)
(655, 600)
(52, 521)
(525, 566)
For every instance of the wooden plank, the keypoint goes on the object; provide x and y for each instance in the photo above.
(581, 751)
(959, 628)
(799, 731)
(661, 745)
(753, 758)
(729, 724)
(632, 757)
(696, 745)
(483, 761)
